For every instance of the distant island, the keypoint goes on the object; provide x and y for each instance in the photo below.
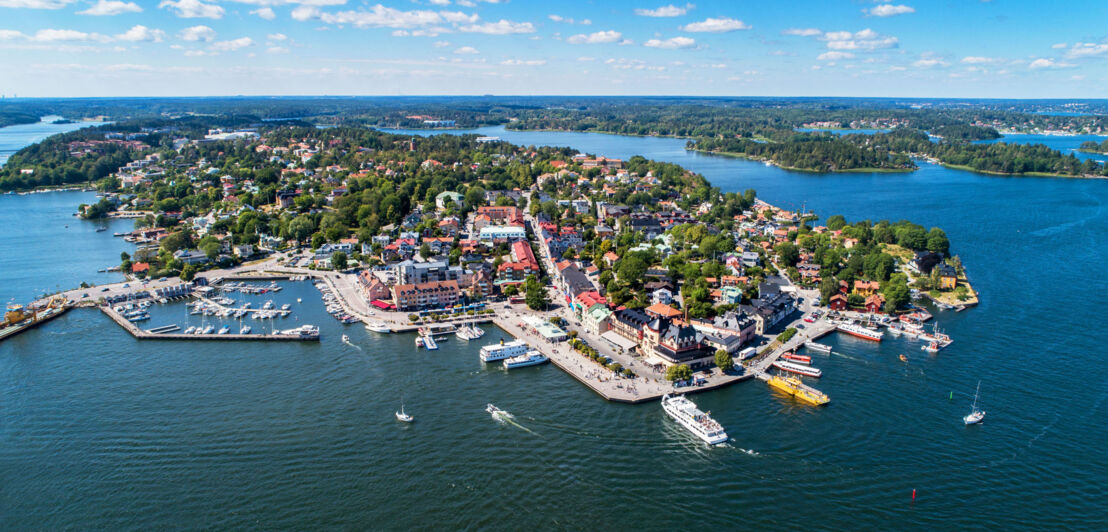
(1091, 146)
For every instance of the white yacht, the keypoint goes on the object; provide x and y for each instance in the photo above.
(688, 415)
(378, 327)
(531, 358)
(401, 416)
(245, 329)
(500, 351)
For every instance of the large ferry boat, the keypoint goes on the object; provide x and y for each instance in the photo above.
(685, 412)
(500, 351)
(532, 358)
(797, 368)
(860, 331)
(796, 388)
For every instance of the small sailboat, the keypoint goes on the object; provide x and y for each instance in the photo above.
(903, 358)
(975, 416)
(401, 416)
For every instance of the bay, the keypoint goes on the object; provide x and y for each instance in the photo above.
(102, 431)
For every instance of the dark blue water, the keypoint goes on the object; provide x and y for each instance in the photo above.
(101, 431)
(1066, 144)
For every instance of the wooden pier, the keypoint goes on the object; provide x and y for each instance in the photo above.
(146, 335)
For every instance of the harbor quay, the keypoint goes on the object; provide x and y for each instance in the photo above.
(640, 389)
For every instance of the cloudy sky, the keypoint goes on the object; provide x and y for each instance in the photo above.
(944, 48)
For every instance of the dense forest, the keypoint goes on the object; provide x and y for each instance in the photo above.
(823, 152)
(12, 117)
(813, 152)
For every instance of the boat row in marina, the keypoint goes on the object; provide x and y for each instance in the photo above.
(334, 307)
(247, 288)
(701, 424)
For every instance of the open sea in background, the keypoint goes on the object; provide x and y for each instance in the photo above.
(99, 430)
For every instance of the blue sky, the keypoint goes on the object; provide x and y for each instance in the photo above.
(909, 48)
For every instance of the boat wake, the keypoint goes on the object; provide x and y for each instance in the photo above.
(507, 419)
(1056, 229)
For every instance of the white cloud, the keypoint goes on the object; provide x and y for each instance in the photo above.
(803, 32)
(104, 8)
(664, 11)
(140, 34)
(599, 37)
(568, 20)
(441, 44)
(834, 56)
(1058, 46)
(1048, 63)
(265, 13)
(466, 50)
(192, 9)
(232, 45)
(866, 40)
(303, 13)
(524, 62)
(501, 27)
(35, 4)
(716, 25)
(197, 33)
(977, 60)
(674, 43)
(277, 50)
(1087, 49)
(929, 62)
(379, 16)
(277, 37)
(889, 10)
(53, 35)
(440, 2)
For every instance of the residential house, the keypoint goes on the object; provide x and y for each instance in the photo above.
(374, 288)
(597, 319)
(866, 288)
(662, 296)
(948, 277)
(411, 272)
(837, 302)
(667, 343)
(629, 323)
(874, 303)
(445, 199)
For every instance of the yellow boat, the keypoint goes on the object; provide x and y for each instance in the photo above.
(794, 387)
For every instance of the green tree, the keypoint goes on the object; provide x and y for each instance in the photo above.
(937, 241)
(788, 252)
(338, 260)
(425, 250)
(679, 372)
(188, 273)
(300, 228)
(724, 360)
(536, 294)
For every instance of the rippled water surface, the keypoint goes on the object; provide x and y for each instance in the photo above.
(98, 430)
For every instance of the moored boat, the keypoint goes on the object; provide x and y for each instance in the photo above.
(860, 331)
(501, 351)
(791, 367)
(801, 359)
(796, 388)
(531, 358)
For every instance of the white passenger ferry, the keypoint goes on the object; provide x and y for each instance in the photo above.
(500, 351)
(687, 414)
(532, 358)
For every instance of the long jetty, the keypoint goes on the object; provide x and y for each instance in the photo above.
(812, 331)
(147, 335)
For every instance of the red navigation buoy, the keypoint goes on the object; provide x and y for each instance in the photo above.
(913, 494)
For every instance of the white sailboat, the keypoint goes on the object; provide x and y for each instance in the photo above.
(976, 415)
(401, 416)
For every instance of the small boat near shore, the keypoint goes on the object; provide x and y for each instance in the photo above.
(502, 350)
(377, 327)
(816, 346)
